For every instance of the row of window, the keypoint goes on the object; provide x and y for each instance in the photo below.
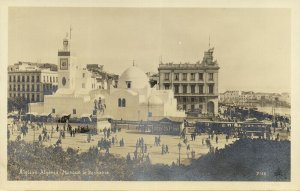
(33, 97)
(13, 78)
(190, 99)
(46, 87)
(192, 108)
(192, 90)
(192, 76)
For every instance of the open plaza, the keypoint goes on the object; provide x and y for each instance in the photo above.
(130, 137)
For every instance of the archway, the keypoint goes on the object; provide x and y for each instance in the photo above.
(210, 107)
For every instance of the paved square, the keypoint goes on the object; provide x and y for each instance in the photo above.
(130, 138)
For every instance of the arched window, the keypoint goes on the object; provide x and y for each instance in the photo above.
(119, 102)
(123, 102)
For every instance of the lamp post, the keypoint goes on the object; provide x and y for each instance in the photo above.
(179, 148)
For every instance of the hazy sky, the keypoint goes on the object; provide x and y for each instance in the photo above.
(252, 46)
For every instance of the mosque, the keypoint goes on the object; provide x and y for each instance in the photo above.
(133, 99)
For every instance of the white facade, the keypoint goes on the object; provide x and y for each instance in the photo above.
(133, 99)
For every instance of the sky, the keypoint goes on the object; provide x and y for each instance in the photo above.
(252, 46)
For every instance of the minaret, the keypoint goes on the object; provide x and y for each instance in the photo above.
(64, 65)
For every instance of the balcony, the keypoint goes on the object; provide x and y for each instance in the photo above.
(195, 94)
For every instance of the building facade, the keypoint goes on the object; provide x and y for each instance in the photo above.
(79, 95)
(32, 81)
(195, 86)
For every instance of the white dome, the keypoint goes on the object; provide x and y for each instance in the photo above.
(155, 100)
(135, 76)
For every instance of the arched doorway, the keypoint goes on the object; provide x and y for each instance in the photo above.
(210, 107)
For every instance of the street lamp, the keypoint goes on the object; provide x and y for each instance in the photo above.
(179, 148)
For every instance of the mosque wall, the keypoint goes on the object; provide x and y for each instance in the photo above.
(75, 106)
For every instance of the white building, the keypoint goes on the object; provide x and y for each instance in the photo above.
(133, 99)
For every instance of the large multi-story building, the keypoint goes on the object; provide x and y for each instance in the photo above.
(32, 81)
(195, 85)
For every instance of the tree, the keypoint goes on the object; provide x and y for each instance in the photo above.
(17, 103)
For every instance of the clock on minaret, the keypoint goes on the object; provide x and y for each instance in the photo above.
(65, 78)
(64, 64)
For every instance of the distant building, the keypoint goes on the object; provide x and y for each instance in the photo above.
(153, 79)
(250, 98)
(195, 85)
(32, 81)
(285, 97)
(230, 96)
(103, 79)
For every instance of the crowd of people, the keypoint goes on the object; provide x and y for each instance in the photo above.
(235, 113)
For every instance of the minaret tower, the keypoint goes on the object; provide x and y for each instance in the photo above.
(64, 65)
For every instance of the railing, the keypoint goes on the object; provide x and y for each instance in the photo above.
(186, 65)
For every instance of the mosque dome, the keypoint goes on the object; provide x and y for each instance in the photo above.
(134, 78)
(155, 100)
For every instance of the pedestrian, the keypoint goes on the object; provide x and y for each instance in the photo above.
(104, 131)
(167, 149)
(217, 139)
(63, 134)
(146, 148)
(108, 133)
(113, 140)
(163, 149)
(188, 147)
(158, 140)
(128, 158)
(135, 154)
(116, 139)
(40, 138)
(148, 159)
(193, 154)
(142, 149)
(58, 142)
